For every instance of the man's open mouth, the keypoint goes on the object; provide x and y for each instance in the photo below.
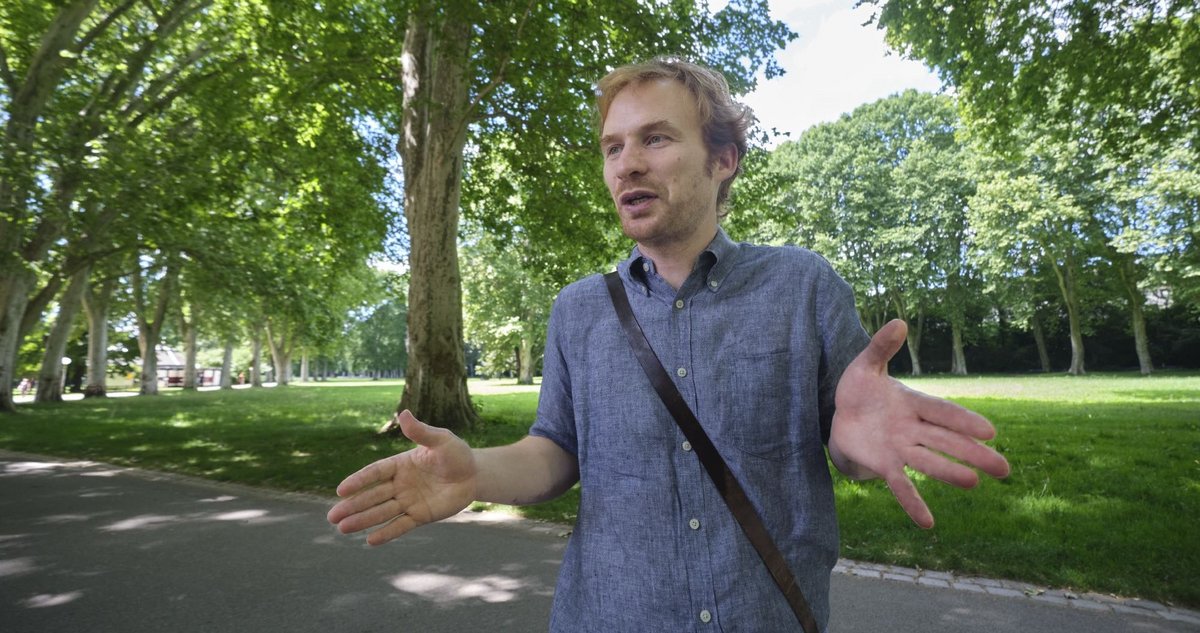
(636, 197)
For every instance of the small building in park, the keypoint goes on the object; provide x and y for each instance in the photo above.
(171, 364)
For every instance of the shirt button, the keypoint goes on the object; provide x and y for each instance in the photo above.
(679, 303)
(713, 284)
(646, 266)
(694, 524)
(687, 446)
(705, 616)
(681, 372)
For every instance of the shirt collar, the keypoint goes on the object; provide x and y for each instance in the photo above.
(715, 264)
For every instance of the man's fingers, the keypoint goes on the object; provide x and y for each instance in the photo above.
(884, 345)
(906, 493)
(365, 499)
(939, 467)
(396, 528)
(962, 448)
(375, 515)
(953, 416)
(367, 476)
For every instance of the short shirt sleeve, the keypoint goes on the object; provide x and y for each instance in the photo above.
(842, 339)
(556, 413)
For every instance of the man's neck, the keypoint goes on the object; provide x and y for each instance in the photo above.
(675, 260)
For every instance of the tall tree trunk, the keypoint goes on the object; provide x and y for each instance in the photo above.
(150, 330)
(914, 331)
(13, 299)
(256, 337)
(435, 63)
(51, 376)
(96, 303)
(1137, 303)
(188, 326)
(1066, 285)
(1039, 338)
(19, 250)
(958, 364)
(281, 355)
(525, 355)
(227, 365)
(304, 365)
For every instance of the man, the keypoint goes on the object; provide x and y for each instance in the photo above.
(761, 342)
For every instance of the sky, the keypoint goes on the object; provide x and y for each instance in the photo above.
(835, 65)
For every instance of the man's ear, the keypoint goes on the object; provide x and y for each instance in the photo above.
(725, 162)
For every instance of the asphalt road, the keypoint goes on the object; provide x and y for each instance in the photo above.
(96, 548)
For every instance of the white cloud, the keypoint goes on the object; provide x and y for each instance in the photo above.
(835, 65)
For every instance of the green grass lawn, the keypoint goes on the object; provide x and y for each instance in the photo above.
(1104, 493)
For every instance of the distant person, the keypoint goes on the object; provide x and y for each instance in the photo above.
(25, 386)
(766, 348)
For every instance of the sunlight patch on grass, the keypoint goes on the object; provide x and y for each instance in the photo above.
(1040, 505)
(199, 443)
(181, 420)
(244, 457)
(497, 387)
(847, 490)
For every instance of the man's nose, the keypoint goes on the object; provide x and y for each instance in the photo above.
(631, 163)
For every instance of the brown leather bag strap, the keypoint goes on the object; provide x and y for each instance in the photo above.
(731, 491)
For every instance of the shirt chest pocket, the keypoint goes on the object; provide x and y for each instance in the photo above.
(764, 407)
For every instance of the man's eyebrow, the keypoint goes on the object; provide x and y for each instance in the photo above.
(660, 125)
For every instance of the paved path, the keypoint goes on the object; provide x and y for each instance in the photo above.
(92, 547)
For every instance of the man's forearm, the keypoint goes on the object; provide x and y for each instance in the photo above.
(531, 470)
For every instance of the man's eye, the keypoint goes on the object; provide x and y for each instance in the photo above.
(655, 139)
(612, 150)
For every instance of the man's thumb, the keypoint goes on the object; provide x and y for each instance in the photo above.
(886, 342)
(415, 429)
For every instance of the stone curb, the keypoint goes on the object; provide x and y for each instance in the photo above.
(1013, 589)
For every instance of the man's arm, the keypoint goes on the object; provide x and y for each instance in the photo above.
(441, 476)
(880, 426)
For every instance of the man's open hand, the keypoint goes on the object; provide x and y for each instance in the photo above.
(880, 426)
(431, 482)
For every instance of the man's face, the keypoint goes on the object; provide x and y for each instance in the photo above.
(657, 167)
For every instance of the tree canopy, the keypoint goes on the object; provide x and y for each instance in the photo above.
(1124, 69)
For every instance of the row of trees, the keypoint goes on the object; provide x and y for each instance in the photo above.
(230, 166)
(193, 161)
(224, 163)
(1061, 184)
(922, 219)
(1082, 121)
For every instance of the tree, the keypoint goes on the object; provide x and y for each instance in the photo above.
(882, 194)
(934, 181)
(97, 302)
(472, 69)
(1125, 69)
(50, 378)
(82, 78)
(1173, 185)
(507, 306)
(1024, 221)
(379, 340)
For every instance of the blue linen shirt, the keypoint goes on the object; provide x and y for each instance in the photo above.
(756, 340)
